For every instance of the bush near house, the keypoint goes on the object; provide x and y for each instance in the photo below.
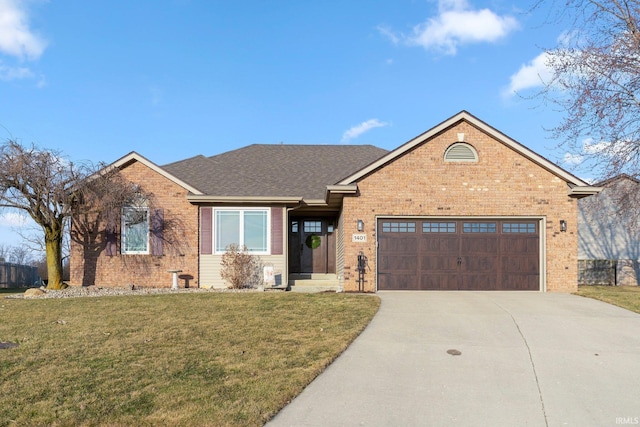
(240, 268)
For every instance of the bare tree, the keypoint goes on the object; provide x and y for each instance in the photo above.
(5, 250)
(20, 255)
(51, 189)
(596, 82)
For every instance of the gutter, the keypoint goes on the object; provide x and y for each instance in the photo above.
(203, 198)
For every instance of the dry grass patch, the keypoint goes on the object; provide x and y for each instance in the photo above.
(184, 359)
(623, 296)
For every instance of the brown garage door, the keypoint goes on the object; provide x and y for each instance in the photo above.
(460, 254)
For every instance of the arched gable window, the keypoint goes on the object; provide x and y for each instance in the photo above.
(461, 152)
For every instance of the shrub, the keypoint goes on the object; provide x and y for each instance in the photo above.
(239, 268)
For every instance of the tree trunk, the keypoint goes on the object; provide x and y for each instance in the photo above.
(53, 245)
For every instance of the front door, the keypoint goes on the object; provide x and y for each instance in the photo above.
(311, 245)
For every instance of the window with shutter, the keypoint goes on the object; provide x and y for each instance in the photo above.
(135, 230)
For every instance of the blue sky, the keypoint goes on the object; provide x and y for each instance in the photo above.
(171, 79)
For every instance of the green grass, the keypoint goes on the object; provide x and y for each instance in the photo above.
(623, 296)
(8, 291)
(185, 359)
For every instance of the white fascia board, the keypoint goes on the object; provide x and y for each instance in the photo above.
(340, 190)
(580, 191)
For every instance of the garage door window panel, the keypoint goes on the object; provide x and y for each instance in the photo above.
(438, 227)
(479, 227)
(398, 227)
(519, 227)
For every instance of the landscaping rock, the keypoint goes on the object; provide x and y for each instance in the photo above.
(98, 291)
(34, 293)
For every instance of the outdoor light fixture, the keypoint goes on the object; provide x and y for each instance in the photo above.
(563, 225)
(360, 225)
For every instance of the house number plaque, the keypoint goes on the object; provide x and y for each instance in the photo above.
(359, 238)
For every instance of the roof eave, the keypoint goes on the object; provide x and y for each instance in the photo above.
(340, 189)
(203, 198)
(133, 156)
(579, 192)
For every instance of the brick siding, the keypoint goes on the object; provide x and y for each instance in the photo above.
(180, 245)
(501, 183)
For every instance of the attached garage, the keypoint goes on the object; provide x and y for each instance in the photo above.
(458, 254)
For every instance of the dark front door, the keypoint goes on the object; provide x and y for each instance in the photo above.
(458, 254)
(311, 246)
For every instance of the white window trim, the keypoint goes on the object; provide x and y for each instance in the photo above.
(123, 234)
(241, 210)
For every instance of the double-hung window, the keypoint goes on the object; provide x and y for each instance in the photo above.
(244, 227)
(135, 230)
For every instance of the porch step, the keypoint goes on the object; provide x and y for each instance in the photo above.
(314, 283)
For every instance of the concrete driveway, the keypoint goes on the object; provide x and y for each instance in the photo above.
(481, 359)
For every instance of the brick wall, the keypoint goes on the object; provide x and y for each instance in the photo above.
(180, 245)
(501, 183)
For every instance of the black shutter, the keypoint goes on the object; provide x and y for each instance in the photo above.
(206, 225)
(111, 233)
(157, 232)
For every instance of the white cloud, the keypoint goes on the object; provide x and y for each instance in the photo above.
(572, 159)
(16, 38)
(388, 32)
(14, 73)
(534, 74)
(363, 127)
(591, 147)
(621, 149)
(456, 24)
(13, 219)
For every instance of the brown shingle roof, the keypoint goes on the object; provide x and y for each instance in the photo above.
(274, 170)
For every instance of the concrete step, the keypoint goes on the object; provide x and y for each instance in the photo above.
(314, 283)
(308, 288)
(313, 276)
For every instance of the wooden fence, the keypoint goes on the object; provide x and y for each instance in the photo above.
(16, 275)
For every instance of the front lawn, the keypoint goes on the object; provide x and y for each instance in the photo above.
(623, 296)
(184, 359)
(8, 291)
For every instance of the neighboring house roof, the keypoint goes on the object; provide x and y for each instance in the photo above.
(618, 178)
(260, 170)
(577, 187)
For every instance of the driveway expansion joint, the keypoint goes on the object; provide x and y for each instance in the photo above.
(533, 365)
